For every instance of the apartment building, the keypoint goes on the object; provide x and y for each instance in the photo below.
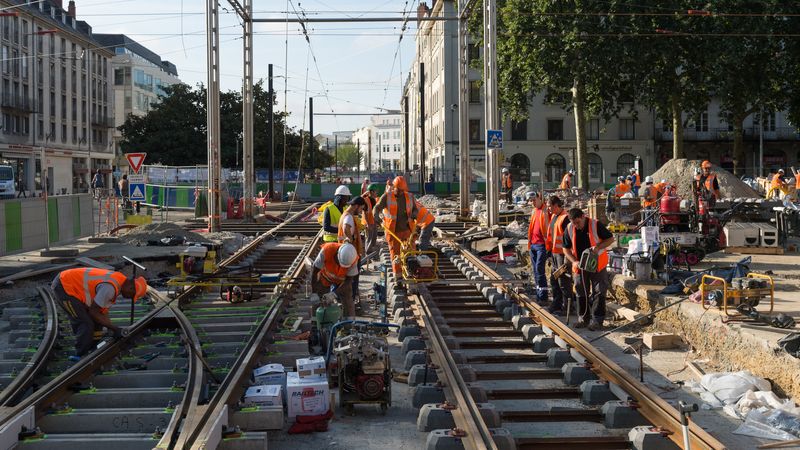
(381, 142)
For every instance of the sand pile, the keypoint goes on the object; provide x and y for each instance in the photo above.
(681, 173)
(156, 231)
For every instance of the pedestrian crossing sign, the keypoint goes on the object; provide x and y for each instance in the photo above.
(494, 139)
(136, 192)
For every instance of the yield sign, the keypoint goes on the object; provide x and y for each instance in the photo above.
(135, 160)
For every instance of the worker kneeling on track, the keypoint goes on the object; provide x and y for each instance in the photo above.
(585, 242)
(86, 295)
(334, 270)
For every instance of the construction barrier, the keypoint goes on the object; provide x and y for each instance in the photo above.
(23, 222)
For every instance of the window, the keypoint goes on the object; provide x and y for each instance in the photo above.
(519, 130)
(593, 130)
(627, 129)
(769, 121)
(25, 33)
(625, 163)
(701, 122)
(474, 91)
(595, 168)
(555, 129)
(63, 133)
(474, 131)
(555, 166)
(6, 58)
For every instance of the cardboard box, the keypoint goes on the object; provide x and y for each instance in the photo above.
(306, 396)
(650, 235)
(270, 374)
(661, 341)
(263, 396)
(311, 367)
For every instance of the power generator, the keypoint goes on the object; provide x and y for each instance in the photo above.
(363, 369)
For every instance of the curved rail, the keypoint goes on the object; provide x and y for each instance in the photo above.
(14, 391)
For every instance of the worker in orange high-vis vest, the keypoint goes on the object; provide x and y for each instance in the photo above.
(507, 183)
(562, 287)
(622, 187)
(334, 270)
(566, 181)
(371, 226)
(707, 182)
(637, 181)
(350, 231)
(86, 295)
(537, 237)
(777, 185)
(399, 210)
(587, 234)
(796, 183)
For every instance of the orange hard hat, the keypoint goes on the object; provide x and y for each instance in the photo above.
(706, 164)
(141, 288)
(399, 183)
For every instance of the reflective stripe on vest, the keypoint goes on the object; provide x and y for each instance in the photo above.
(424, 218)
(82, 283)
(594, 239)
(335, 215)
(390, 211)
(332, 272)
(709, 183)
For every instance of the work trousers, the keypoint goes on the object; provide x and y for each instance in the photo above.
(538, 258)
(591, 290)
(394, 251)
(562, 287)
(344, 291)
(87, 332)
(509, 195)
(371, 238)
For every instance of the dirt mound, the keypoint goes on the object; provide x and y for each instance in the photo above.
(156, 231)
(432, 202)
(680, 172)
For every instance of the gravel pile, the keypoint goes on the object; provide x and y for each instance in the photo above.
(680, 172)
(432, 202)
(141, 235)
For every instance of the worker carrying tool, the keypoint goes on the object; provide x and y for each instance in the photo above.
(636, 182)
(777, 185)
(566, 181)
(622, 187)
(585, 242)
(401, 214)
(706, 183)
(334, 270)
(508, 185)
(560, 286)
(86, 296)
(537, 236)
(331, 212)
(371, 226)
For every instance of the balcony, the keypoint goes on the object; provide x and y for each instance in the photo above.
(102, 121)
(16, 103)
(725, 134)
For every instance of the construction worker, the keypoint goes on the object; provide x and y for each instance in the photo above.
(334, 270)
(399, 210)
(86, 296)
(566, 180)
(426, 221)
(333, 213)
(587, 234)
(661, 187)
(371, 232)
(537, 237)
(508, 185)
(707, 180)
(777, 185)
(636, 183)
(796, 183)
(561, 287)
(622, 187)
(350, 231)
(649, 197)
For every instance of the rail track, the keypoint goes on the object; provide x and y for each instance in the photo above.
(167, 382)
(495, 370)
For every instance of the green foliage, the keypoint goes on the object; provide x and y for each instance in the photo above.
(348, 156)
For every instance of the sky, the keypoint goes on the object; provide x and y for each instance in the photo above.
(358, 65)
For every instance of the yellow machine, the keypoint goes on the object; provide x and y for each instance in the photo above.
(617, 227)
(197, 260)
(421, 266)
(726, 296)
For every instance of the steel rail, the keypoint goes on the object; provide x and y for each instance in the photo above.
(206, 433)
(650, 405)
(466, 415)
(14, 391)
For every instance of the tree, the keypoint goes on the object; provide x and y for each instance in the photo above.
(348, 156)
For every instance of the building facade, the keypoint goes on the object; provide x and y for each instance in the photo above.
(139, 79)
(55, 98)
(380, 143)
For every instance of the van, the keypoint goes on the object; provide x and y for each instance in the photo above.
(7, 189)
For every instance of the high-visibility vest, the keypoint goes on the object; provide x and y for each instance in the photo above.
(797, 182)
(566, 182)
(650, 197)
(390, 211)
(638, 179)
(507, 182)
(555, 243)
(332, 273)
(356, 232)
(709, 184)
(622, 189)
(424, 217)
(538, 218)
(777, 181)
(82, 283)
(368, 217)
(594, 239)
(336, 215)
(660, 187)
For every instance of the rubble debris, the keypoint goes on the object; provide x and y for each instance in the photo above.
(432, 202)
(141, 235)
(517, 229)
(680, 172)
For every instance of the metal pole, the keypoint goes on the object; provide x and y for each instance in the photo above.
(369, 150)
(422, 128)
(380, 152)
(212, 115)
(247, 113)
(358, 153)
(336, 154)
(311, 130)
(465, 175)
(760, 144)
(405, 134)
(490, 108)
(271, 134)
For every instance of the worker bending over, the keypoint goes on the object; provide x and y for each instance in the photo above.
(622, 187)
(334, 270)
(561, 287)
(777, 185)
(508, 185)
(333, 213)
(86, 296)
(371, 226)
(661, 187)
(537, 236)
(582, 234)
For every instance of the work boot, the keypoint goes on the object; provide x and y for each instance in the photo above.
(595, 325)
(580, 324)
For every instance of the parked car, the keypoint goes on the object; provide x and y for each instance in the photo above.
(7, 188)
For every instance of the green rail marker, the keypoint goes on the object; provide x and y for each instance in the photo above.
(249, 409)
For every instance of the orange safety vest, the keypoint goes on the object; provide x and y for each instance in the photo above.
(594, 239)
(777, 181)
(709, 184)
(356, 233)
(622, 189)
(660, 187)
(390, 211)
(369, 219)
(638, 180)
(566, 182)
(82, 283)
(538, 218)
(554, 242)
(650, 197)
(332, 273)
(797, 182)
(424, 218)
(507, 182)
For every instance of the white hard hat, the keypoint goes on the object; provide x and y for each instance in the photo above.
(663, 181)
(531, 194)
(648, 179)
(342, 190)
(780, 170)
(347, 255)
(505, 170)
(633, 169)
(572, 171)
(620, 179)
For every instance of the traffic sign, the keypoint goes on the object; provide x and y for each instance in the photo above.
(494, 139)
(135, 160)
(136, 187)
